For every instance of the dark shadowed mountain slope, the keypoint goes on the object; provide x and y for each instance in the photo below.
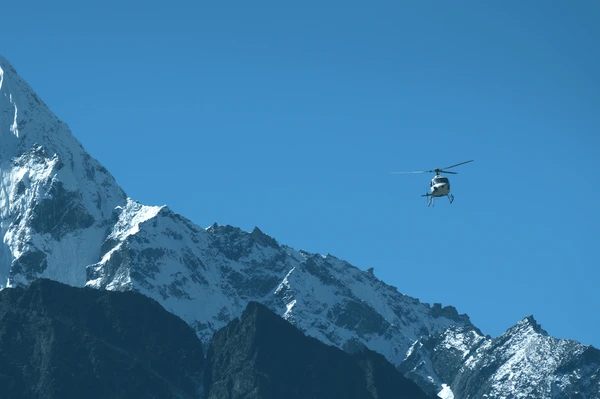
(260, 355)
(58, 341)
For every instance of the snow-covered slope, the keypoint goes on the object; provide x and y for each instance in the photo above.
(63, 216)
(207, 276)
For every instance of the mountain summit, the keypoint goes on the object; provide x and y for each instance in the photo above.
(63, 217)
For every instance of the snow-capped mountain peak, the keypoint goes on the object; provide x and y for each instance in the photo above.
(527, 325)
(55, 200)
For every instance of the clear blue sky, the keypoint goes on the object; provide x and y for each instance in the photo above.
(291, 118)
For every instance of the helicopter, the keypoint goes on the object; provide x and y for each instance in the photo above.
(439, 185)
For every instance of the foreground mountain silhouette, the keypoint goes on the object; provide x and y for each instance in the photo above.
(63, 217)
(58, 341)
(261, 355)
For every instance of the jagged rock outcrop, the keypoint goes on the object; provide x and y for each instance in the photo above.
(524, 362)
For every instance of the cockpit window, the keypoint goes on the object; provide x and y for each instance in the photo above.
(440, 180)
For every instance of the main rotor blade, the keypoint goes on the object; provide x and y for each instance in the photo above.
(439, 170)
(406, 173)
(462, 163)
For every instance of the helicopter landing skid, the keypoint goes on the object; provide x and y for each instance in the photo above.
(430, 199)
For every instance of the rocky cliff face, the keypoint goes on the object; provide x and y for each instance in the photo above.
(63, 217)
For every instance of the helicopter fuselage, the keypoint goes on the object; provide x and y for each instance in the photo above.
(439, 186)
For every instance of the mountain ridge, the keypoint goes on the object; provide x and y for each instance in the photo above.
(62, 216)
